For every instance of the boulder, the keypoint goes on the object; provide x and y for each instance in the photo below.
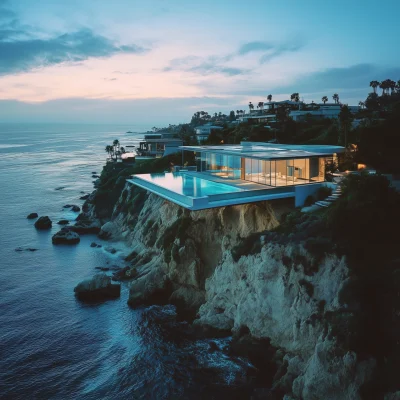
(94, 172)
(97, 288)
(93, 244)
(32, 216)
(65, 236)
(86, 226)
(67, 206)
(110, 249)
(63, 222)
(75, 208)
(102, 268)
(108, 230)
(43, 223)
(85, 197)
(60, 188)
(25, 249)
(95, 176)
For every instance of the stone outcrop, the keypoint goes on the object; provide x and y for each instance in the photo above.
(32, 216)
(99, 287)
(220, 273)
(43, 223)
(65, 236)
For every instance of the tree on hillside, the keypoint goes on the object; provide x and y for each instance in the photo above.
(232, 116)
(374, 85)
(295, 97)
(324, 99)
(269, 98)
(260, 105)
(335, 98)
(361, 104)
(372, 102)
(251, 106)
(384, 86)
(110, 150)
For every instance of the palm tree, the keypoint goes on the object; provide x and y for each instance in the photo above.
(109, 150)
(260, 105)
(251, 106)
(374, 85)
(335, 97)
(324, 99)
(123, 150)
(391, 85)
(295, 97)
(383, 86)
(269, 98)
(361, 104)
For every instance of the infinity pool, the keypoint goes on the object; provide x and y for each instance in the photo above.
(187, 185)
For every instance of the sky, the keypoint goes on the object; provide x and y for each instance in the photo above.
(156, 62)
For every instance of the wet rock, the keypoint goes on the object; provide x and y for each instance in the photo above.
(32, 216)
(95, 176)
(86, 226)
(93, 244)
(110, 249)
(213, 347)
(96, 183)
(97, 288)
(120, 275)
(19, 249)
(85, 197)
(63, 222)
(94, 172)
(43, 223)
(75, 208)
(102, 268)
(60, 188)
(67, 206)
(108, 230)
(65, 236)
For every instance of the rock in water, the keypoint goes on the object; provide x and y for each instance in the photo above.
(85, 197)
(97, 288)
(65, 236)
(43, 223)
(32, 216)
(75, 208)
(63, 222)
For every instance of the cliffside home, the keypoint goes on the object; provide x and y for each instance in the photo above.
(245, 173)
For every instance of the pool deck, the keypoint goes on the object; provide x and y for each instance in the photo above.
(249, 192)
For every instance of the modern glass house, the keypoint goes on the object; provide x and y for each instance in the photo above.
(249, 172)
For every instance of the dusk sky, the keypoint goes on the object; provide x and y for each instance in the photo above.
(157, 62)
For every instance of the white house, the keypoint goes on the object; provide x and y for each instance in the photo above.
(203, 131)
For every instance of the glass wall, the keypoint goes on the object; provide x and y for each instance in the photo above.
(266, 172)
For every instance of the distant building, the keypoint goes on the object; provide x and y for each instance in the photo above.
(203, 131)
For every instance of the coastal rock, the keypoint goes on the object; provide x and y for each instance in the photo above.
(154, 288)
(110, 250)
(94, 172)
(63, 222)
(43, 223)
(60, 188)
(75, 208)
(85, 197)
(96, 183)
(19, 249)
(65, 236)
(97, 288)
(124, 274)
(95, 176)
(67, 206)
(93, 244)
(86, 227)
(108, 230)
(32, 216)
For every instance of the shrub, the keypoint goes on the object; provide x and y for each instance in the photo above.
(309, 201)
(323, 192)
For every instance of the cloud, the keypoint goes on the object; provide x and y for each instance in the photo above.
(110, 79)
(208, 68)
(254, 46)
(22, 49)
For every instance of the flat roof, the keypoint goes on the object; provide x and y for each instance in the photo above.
(267, 151)
(160, 140)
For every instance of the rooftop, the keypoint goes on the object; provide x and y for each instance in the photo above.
(267, 151)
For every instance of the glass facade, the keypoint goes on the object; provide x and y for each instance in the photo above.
(267, 172)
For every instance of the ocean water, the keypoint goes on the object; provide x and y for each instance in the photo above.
(55, 347)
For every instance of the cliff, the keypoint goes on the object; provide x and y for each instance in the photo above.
(238, 270)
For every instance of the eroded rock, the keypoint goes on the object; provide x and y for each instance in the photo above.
(99, 287)
(43, 223)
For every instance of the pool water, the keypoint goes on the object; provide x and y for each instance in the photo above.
(188, 185)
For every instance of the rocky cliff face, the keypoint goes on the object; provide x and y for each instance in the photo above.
(197, 261)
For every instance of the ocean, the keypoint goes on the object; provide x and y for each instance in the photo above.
(55, 347)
